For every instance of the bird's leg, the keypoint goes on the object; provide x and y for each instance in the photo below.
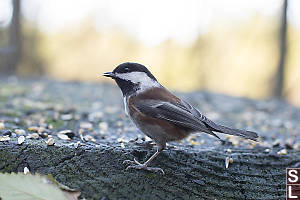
(137, 165)
(147, 144)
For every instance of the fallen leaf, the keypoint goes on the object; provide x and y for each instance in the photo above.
(28, 186)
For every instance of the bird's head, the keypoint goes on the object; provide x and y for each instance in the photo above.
(132, 77)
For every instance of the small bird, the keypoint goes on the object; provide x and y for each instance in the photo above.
(160, 114)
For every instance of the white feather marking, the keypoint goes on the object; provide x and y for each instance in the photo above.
(140, 78)
(126, 105)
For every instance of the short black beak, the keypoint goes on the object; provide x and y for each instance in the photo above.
(109, 74)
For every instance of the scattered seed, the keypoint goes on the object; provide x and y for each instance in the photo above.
(33, 135)
(227, 162)
(95, 116)
(86, 125)
(50, 142)
(67, 132)
(146, 138)
(111, 110)
(234, 140)
(202, 141)
(20, 131)
(296, 146)
(230, 160)
(76, 117)
(89, 138)
(44, 135)
(4, 138)
(282, 152)
(228, 137)
(119, 131)
(56, 116)
(2, 126)
(26, 170)
(229, 150)
(253, 143)
(122, 145)
(36, 129)
(80, 131)
(50, 126)
(265, 144)
(77, 144)
(267, 150)
(21, 139)
(103, 127)
(66, 117)
(122, 139)
(119, 123)
(63, 136)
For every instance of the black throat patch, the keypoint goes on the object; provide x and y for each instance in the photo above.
(127, 87)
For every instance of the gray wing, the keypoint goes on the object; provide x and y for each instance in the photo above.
(185, 115)
(220, 128)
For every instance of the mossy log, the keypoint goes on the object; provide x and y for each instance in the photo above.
(190, 174)
(194, 168)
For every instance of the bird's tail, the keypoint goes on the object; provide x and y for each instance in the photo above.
(232, 131)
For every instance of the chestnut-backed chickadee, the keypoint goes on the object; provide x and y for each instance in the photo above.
(160, 114)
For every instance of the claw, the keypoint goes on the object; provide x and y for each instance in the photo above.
(137, 165)
(125, 162)
(136, 162)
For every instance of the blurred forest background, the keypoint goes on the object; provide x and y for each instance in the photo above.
(242, 48)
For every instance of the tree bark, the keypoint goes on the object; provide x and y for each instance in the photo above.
(279, 76)
(15, 41)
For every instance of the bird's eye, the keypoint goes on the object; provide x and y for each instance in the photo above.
(126, 69)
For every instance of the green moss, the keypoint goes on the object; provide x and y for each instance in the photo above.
(151, 176)
(7, 162)
(25, 108)
(3, 98)
(55, 123)
(11, 113)
(12, 89)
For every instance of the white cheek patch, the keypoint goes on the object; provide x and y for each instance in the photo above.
(140, 78)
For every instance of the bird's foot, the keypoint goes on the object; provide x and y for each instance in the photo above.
(147, 144)
(137, 165)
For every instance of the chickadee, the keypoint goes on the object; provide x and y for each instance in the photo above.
(160, 114)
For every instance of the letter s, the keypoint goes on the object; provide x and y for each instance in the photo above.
(293, 173)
